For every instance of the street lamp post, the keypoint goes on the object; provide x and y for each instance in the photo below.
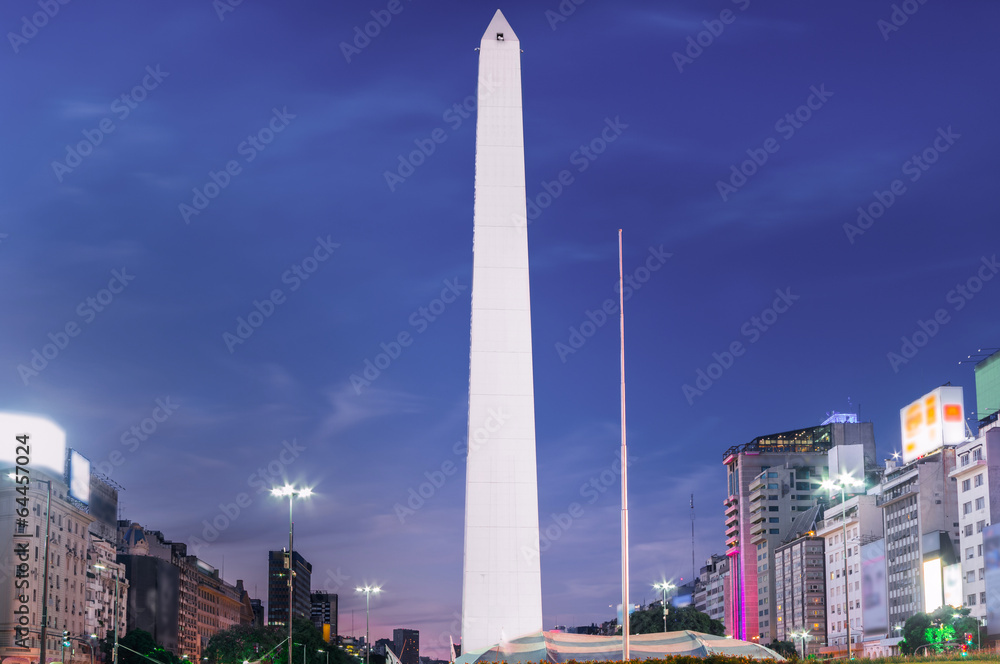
(802, 635)
(840, 484)
(291, 492)
(327, 655)
(368, 590)
(664, 586)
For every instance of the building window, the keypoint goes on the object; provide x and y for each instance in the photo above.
(773, 519)
(979, 550)
(968, 530)
(977, 454)
(969, 553)
(971, 600)
(966, 485)
(970, 577)
(979, 479)
(967, 508)
(772, 486)
(965, 459)
(980, 503)
(982, 573)
(980, 525)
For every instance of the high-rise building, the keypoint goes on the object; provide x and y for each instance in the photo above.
(501, 592)
(800, 600)
(324, 614)
(710, 596)
(277, 587)
(406, 645)
(846, 595)
(771, 480)
(921, 518)
(978, 463)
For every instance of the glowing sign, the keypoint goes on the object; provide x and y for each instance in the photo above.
(953, 585)
(78, 477)
(47, 442)
(933, 588)
(933, 421)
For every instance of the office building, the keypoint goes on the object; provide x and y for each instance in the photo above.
(277, 587)
(771, 481)
(799, 589)
(324, 614)
(406, 645)
(921, 519)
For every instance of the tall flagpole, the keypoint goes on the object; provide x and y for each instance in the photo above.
(625, 600)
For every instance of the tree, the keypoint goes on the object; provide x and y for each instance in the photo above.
(650, 620)
(915, 633)
(786, 649)
(244, 642)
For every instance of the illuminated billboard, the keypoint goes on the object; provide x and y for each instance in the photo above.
(875, 605)
(953, 585)
(932, 421)
(933, 588)
(46, 443)
(991, 557)
(78, 477)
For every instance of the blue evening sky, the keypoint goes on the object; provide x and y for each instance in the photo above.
(197, 157)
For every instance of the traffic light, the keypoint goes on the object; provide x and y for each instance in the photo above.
(66, 641)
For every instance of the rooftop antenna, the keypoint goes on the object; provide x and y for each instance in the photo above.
(692, 536)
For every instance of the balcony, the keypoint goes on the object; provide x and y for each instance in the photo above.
(895, 495)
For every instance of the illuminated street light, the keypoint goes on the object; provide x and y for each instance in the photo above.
(664, 586)
(290, 491)
(841, 484)
(802, 635)
(368, 590)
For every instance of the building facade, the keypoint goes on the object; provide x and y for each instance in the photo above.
(277, 587)
(324, 614)
(845, 527)
(406, 645)
(105, 577)
(770, 482)
(800, 598)
(978, 461)
(710, 595)
(67, 547)
(920, 516)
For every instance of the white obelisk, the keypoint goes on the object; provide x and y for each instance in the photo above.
(501, 594)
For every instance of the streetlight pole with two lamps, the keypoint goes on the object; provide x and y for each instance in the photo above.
(664, 586)
(368, 590)
(841, 484)
(291, 492)
(802, 635)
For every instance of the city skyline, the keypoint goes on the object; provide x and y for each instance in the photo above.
(238, 239)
